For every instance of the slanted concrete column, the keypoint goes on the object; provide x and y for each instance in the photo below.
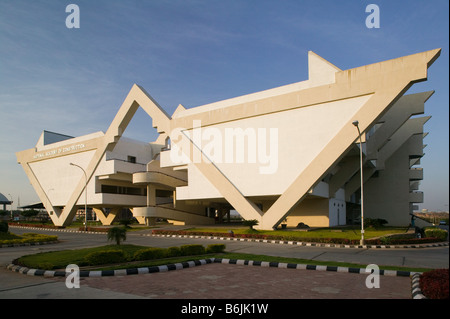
(106, 220)
(141, 220)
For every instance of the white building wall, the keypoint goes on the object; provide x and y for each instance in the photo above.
(337, 209)
(58, 178)
(128, 147)
(301, 135)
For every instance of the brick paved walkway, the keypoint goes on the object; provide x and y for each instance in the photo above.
(223, 281)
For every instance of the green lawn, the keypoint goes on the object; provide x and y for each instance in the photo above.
(336, 232)
(254, 258)
(60, 259)
(8, 236)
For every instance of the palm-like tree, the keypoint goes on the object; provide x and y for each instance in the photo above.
(117, 234)
(250, 223)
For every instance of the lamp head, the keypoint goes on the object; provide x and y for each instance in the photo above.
(355, 123)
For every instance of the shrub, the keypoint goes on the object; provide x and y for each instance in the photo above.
(434, 284)
(126, 222)
(29, 238)
(33, 237)
(302, 226)
(45, 266)
(29, 213)
(117, 234)
(215, 248)
(150, 253)
(391, 241)
(37, 225)
(105, 257)
(441, 234)
(188, 250)
(375, 222)
(173, 252)
(250, 223)
(4, 227)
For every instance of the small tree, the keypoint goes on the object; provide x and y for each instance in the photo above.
(125, 222)
(117, 234)
(30, 213)
(250, 223)
(4, 227)
(375, 222)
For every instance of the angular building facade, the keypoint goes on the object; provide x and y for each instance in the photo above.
(287, 155)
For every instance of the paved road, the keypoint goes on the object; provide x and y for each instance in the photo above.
(420, 257)
(15, 285)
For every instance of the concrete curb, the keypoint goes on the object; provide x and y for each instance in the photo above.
(415, 287)
(103, 273)
(415, 290)
(270, 241)
(59, 230)
(311, 267)
(299, 243)
(193, 263)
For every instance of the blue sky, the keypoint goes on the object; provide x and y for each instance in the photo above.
(73, 81)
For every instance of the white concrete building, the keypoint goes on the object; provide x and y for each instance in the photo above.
(284, 155)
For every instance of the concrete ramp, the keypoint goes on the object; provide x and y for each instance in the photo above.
(172, 213)
(162, 181)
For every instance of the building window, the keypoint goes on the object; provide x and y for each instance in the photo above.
(112, 189)
(131, 159)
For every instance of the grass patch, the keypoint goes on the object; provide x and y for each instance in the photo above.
(334, 232)
(240, 256)
(157, 262)
(335, 235)
(60, 259)
(117, 254)
(8, 236)
(26, 238)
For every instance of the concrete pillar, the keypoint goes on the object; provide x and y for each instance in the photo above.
(174, 198)
(151, 195)
(220, 214)
(150, 221)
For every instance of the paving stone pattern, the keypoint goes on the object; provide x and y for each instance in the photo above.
(226, 281)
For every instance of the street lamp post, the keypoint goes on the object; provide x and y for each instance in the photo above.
(85, 195)
(356, 123)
